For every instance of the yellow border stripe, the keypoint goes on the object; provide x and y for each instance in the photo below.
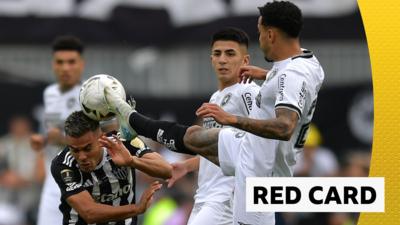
(381, 20)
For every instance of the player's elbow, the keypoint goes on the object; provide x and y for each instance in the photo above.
(285, 137)
(286, 131)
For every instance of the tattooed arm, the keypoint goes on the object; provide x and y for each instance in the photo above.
(281, 127)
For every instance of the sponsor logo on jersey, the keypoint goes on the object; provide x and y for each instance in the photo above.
(302, 95)
(111, 196)
(248, 100)
(281, 86)
(258, 99)
(72, 186)
(67, 175)
(226, 99)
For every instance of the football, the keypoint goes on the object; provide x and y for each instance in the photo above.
(92, 99)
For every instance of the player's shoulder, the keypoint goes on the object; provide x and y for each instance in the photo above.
(64, 159)
(304, 60)
(215, 94)
(51, 89)
(305, 66)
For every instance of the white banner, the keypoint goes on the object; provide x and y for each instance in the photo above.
(315, 194)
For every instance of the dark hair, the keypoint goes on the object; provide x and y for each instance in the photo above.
(77, 124)
(68, 43)
(283, 15)
(231, 34)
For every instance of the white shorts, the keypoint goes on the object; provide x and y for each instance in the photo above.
(49, 212)
(229, 141)
(217, 213)
(228, 149)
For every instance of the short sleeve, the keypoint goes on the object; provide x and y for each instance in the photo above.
(292, 91)
(67, 178)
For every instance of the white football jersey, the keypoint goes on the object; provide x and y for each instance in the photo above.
(292, 84)
(237, 100)
(57, 107)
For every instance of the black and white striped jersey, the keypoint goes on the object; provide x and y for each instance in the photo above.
(108, 183)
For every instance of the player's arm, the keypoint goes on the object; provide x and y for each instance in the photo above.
(180, 169)
(68, 179)
(152, 164)
(288, 109)
(281, 127)
(145, 160)
(93, 212)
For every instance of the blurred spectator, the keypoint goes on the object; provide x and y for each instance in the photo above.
(11, 215)
(316, 161)
(22, 169)
(356, 164)
(340, 219)
(172, 206)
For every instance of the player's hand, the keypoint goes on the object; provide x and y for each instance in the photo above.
(249, 73)
(178, 171)
(216, 112)
(147, 197)
(37, 142)
(117, 150)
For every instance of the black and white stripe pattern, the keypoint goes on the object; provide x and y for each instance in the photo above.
(68, 159)
(108, 184)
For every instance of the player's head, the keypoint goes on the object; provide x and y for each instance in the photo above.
(68, 63)
(279, 21)
(228, 54)
(82, 134)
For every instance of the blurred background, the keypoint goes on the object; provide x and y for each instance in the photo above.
(160, 51)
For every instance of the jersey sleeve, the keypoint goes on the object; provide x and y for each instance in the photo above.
(248, 95)
(137, 147)
(292, 91)
(68, 178)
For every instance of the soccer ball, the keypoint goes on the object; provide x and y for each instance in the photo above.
(92, 99)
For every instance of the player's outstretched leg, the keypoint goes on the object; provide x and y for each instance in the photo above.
(176, 137)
